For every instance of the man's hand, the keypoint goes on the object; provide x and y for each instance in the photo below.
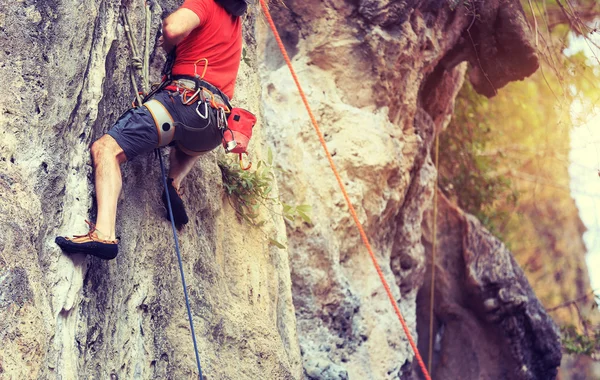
(177, 26)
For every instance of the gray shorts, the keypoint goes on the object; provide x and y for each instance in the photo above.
(136, 133)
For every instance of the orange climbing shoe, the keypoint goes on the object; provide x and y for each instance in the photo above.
(89, 244)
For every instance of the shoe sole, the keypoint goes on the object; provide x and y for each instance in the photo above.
(103, 251)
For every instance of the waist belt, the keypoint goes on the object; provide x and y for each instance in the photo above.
(208, 91)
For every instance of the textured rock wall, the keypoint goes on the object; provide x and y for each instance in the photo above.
(381, 77)
(64, 65)
(485, 309)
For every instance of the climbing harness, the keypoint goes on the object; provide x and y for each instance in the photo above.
(343, 189)
(235, 124)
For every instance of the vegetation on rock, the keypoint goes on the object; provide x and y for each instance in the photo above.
(506, 160)
(250, 191)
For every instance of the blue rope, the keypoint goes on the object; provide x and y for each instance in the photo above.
(187, 301)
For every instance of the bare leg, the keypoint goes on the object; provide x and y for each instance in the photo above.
(107, 156)
(180, 166)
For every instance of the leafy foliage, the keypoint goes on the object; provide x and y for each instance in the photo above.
(245, 57)
(251, 191)
(506, 161)
(468, 171)
(575, 342)
(494, 145)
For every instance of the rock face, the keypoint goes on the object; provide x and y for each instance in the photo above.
(381, 76)
(65, 69)
(488, 323)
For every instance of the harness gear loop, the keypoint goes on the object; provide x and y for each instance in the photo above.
(208, 92)
(361, 230)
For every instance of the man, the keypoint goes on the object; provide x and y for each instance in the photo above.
(208, 45)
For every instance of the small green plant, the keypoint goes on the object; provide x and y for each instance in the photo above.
(250, 190)
(470, 169)
(245, 57)
(574, 342)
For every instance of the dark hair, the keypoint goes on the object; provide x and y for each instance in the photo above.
(234, 7)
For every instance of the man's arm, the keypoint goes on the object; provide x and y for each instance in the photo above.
(177, 26)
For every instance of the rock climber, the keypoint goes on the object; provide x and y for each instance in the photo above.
(206, 36)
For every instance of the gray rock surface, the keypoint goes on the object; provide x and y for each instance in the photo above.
(64, 65)
(488, 323)
(381, 76)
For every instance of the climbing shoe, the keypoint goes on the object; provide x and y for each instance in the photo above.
(89, 244)
(179, 213)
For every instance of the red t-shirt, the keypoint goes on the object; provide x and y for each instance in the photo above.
(218, 39)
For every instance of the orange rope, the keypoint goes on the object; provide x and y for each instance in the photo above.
(344, 192)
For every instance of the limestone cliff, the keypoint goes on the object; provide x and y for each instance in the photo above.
(66, 80)
(381, 75)
(486, 310)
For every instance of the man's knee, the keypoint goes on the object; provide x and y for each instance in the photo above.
(106, 147)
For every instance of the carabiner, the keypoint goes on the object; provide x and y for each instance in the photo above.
(222, 119)
(205, 116)
(190, 99)
(242, 163)
(196, 68)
